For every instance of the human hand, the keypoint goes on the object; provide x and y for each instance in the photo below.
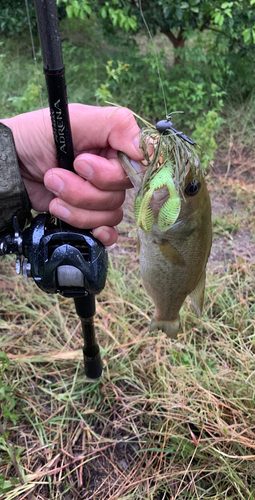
(93, 198)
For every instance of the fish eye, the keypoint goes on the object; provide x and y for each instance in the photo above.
(193, 187)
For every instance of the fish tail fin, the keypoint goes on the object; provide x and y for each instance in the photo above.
(197, 296)
(170, 328)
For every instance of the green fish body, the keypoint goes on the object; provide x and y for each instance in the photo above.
(174, 240)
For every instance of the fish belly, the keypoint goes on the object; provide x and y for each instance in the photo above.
(168, 278)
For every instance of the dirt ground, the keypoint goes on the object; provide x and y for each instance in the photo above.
(232, 192)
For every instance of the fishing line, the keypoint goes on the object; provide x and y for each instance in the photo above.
(155, 55)
(168, 115)
(34, 54)
(38, 72)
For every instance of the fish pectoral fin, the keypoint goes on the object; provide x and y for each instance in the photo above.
(197, 295)
(171, 253)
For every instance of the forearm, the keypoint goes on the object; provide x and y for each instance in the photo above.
(14, 200)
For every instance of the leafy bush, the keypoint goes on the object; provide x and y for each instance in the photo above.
(97, 70)
(207, 126)
(30, 100)
(195, 87)
(13, 17)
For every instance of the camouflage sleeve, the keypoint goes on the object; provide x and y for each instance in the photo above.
(14, 199)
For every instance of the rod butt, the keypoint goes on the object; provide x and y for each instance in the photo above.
(93, 365)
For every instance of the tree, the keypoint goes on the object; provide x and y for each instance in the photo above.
(177, 19)
(234, 20)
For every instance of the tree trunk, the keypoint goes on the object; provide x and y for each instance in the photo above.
(178, 42)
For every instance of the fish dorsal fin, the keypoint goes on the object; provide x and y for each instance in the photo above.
(197, 296)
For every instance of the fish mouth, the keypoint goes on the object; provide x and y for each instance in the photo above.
(185, 227)
(177, 224)
(161, 194)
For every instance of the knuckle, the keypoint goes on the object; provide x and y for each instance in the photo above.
(116, 199)
(117, 217)
(124, 119)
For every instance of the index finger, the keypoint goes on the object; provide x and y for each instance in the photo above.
(104, 174)
(96, 128)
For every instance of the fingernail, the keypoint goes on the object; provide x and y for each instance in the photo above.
(136, 143)
(54, 184)
(84, 169)
(101, 234)
(59, 211)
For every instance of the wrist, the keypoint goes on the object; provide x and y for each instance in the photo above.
(6, 121)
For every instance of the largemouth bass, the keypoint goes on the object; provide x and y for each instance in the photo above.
(173, 213)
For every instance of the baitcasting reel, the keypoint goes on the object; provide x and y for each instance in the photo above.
(59, 257)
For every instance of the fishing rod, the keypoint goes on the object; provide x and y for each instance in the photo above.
(54, 70)
(60, 258)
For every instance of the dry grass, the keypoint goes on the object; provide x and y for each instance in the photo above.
(168, 419)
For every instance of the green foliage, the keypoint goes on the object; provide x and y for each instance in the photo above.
(236, 19)
(18, 93)
(76, 8)
(114, 10)
(224, 227)
(164, 15)
(195, 87)
(30, 99)
(113, 70)
(7, 405)
(206, 127)
(85, 70)
(9, 484)
(95, 73)
(7, 400)
(118, 16)
(13, 17)
(4, 362)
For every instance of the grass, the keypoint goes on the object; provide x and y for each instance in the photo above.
(168, 420)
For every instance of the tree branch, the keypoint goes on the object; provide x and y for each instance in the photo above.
(205, 24)
(176, 41)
